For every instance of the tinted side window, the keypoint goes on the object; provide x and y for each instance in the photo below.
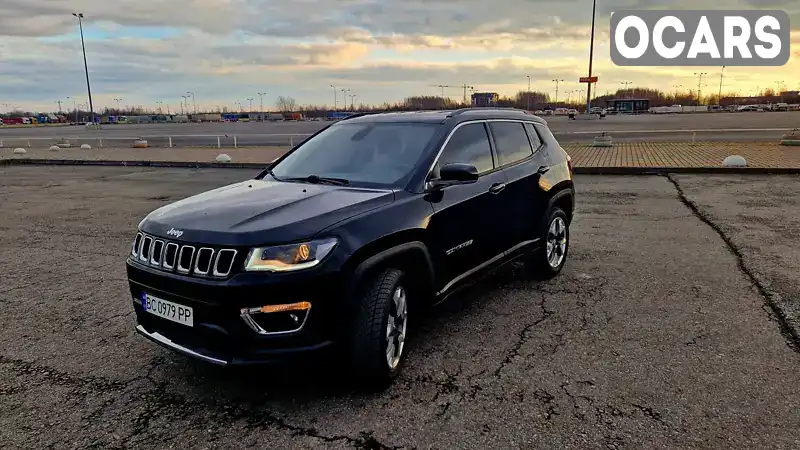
(470, 145)
(536, 140)
(511, 141)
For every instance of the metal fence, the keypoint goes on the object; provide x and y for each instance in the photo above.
(162, 141)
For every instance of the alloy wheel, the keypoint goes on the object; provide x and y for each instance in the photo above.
(396, 327)
(556, 242)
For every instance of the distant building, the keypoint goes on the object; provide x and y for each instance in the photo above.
(485, 99)
(629, 105)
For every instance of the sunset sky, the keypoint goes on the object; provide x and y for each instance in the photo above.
(224, 51)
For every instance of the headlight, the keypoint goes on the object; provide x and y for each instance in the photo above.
(286, 258)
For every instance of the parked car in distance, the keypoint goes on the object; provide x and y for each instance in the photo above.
(344, 242)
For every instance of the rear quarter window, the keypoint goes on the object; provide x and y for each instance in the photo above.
(511, 141)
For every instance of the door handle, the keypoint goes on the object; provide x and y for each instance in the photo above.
(497, 187)
(543, 170)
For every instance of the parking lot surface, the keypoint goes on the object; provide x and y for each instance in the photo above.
(658, 334)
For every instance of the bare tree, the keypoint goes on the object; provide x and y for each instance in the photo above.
(285, 104)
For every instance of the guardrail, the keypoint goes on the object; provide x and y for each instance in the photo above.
(163, 141)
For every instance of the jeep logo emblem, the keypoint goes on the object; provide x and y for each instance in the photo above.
(174, 232)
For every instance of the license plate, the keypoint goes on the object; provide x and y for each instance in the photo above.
(168, 310)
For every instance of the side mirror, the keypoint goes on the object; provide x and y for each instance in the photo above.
(456, 173)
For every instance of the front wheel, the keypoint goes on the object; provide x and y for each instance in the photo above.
(548, 260)
(381, 327)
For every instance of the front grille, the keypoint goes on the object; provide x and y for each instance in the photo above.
(186, 259)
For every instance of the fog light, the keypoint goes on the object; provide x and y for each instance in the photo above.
(276, 319)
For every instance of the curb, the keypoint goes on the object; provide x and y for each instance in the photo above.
(698, 170)
(577, 170)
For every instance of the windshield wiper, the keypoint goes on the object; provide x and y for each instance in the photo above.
(318, 179)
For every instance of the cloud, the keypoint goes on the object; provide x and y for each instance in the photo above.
(54, 17)
(225, 50)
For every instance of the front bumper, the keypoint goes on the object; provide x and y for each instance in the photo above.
(219, 334)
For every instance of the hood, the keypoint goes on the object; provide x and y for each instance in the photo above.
(257, 212)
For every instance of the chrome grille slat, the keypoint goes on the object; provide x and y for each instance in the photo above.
(147, 246)
(169, 263)
(220, 273)
(137, 242)
(181, 268)
(197, 269)
(185, 259)
(157, 252)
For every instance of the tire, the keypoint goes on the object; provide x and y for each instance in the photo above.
(376, 316)
(542, 264)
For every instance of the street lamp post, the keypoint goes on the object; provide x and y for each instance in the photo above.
(250, 99)
(85, 65)
(334, 97)
(529, 91)
(194, 105)
(626, 83)
(261, 95)
(699, 87)
(676, 86)
(75, 107)
(591, 57)
(345, 97)
(556, 81)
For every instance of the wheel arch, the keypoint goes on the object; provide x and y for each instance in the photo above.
(405, 250)
(564, 198)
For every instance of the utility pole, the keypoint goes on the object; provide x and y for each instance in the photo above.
(699, 86)
(591, 56)
(556, 81)
(85, 66)
(719, 96)
(334, 97)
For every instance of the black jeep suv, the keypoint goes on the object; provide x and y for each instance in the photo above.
(340, 239)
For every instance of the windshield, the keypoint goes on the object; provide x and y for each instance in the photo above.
(370, 154)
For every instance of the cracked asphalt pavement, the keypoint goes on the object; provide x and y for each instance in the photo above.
(672, 326)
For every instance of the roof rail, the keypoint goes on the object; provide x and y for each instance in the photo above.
(353, 116)
(487, 108)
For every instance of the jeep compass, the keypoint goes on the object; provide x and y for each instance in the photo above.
(342, 240)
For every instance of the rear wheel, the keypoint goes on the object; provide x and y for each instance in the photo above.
(381, 327)
(548, 260)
